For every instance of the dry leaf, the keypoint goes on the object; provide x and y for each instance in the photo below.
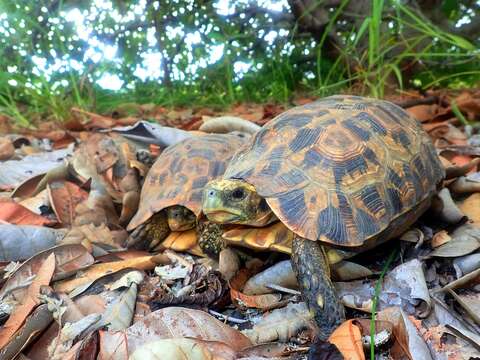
(281, 324)
(465, 240)
(7, 150)
(279, 274)
(471, 207)
(113, 346)
(348, 339)
(176, 322)
(440, 238)
(96, 271)
(21, 312)
(14, 213)
(266, 301)
(64, 197)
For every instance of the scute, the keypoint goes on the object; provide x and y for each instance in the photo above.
(348, 168)
(181, 171)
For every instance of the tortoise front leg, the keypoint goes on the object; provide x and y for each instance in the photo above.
(310, 263)
(210, 238)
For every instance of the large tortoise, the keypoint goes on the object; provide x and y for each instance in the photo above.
(345, 171)
(171, 195)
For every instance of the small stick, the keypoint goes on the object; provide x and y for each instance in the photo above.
(228, 318)
(283, 289)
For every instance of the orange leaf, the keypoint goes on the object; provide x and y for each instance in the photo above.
(266, 301)
(21, 312)
(348, 339)
(17, 214)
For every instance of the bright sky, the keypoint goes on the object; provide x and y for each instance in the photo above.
(149, 68)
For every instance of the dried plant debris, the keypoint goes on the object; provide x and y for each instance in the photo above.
(71, 288)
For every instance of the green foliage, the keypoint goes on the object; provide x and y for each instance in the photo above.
(52, 56)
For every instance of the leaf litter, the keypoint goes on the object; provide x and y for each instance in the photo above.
(71, 286)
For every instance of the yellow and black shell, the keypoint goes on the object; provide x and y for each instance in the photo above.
(343, 169)
(181, 171)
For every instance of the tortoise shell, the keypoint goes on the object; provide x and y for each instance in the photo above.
(341, 169)
(181, 171)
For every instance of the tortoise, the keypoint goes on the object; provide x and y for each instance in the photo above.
(171, 195)
(346, 172)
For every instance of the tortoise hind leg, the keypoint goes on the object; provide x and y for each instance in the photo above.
(310, 263)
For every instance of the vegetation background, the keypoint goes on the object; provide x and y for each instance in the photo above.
(98, 54)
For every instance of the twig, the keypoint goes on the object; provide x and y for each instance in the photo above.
(283, 289)
(414, 102)
(228, 318)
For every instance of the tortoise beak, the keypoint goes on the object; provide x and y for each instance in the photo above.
(213, 208)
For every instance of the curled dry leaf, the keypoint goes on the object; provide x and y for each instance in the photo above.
(37, 202)
(440, 238)
(348, 340)
(119, 314)
(226, 124)
(97, 271)
(447, 210)
(279, 274)
(408, 341)
(194, 349)
(34, 325)
(465, 264)
(465, 240)
(64, 198)
(265, 301)
(405, 286)
(19, 242)
(14, 172)
(16, 214)
(101, 235)
(464, 186)
(21, 312)
(281, 324)
(347, 270)
(69, 258)
(175, 322)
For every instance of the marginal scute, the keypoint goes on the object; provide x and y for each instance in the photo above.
(341, 169)
(181, 172)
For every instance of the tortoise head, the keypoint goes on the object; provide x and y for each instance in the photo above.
(235, 202)
(180, 218)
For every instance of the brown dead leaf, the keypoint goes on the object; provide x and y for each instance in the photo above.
(99, 270)
(69, 258)
(193, 349)
(7, 150)
(471, 207)
(22, 311)
(17, 214)
(176, 322)
(348, 339)
(64, 197)
(113, 345)
(91, 120)
(440, 238)
(423, 113)
(265, 301)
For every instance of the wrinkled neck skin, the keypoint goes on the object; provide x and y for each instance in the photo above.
(235, 202)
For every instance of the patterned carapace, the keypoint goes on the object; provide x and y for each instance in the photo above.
(341, 169)
(181, 171)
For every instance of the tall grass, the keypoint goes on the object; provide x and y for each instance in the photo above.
(371, 60)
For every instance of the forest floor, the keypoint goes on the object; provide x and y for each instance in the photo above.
(71, 289)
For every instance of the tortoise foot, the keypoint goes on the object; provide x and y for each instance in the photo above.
(310, 263)
(210, 238)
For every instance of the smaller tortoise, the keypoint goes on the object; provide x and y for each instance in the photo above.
(171, 195)
(346, 172)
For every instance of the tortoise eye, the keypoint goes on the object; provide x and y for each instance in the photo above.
(238, 194)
